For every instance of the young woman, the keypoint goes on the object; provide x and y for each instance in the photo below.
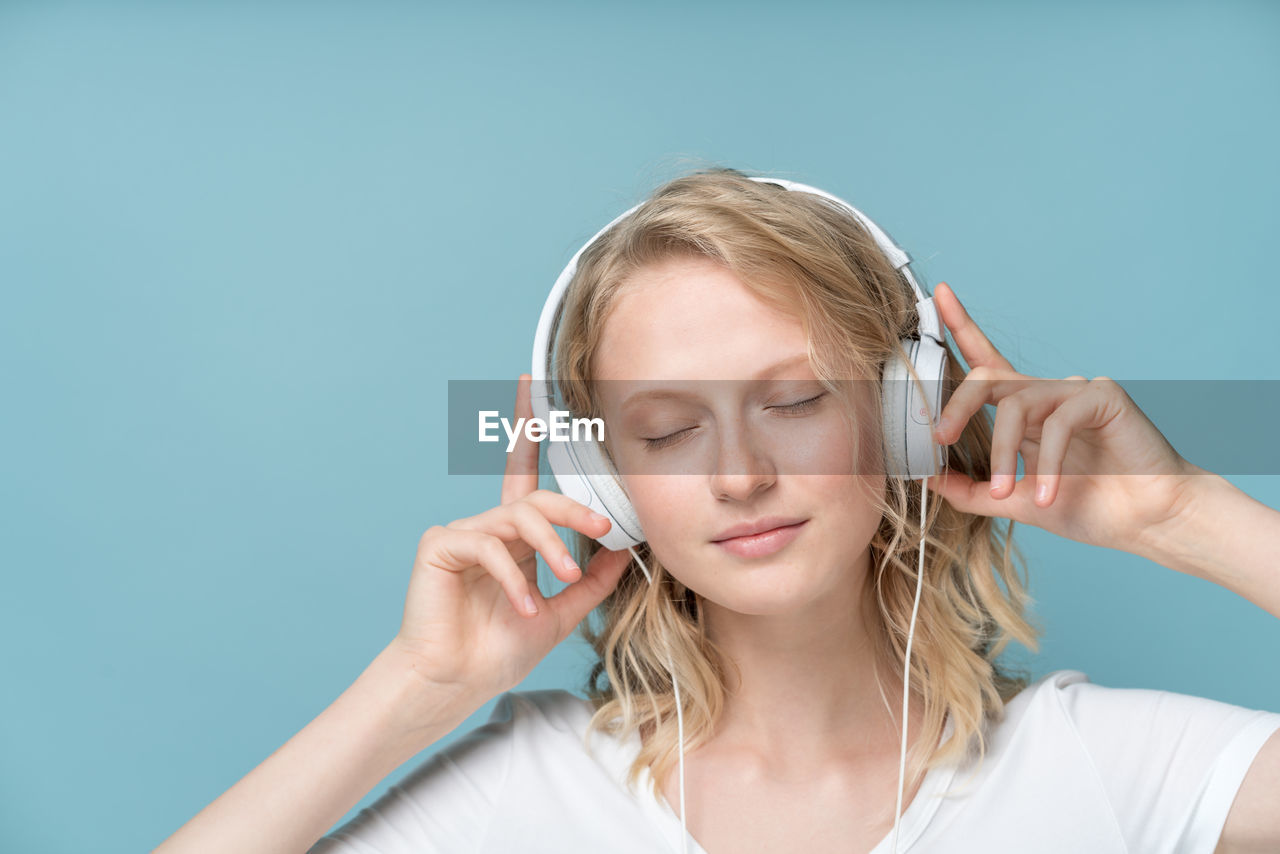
(751, 643)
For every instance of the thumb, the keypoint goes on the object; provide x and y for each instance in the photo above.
(572, 604)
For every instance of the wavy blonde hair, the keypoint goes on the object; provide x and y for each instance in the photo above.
(810, 257)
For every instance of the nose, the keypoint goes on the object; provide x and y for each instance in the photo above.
(742, 468)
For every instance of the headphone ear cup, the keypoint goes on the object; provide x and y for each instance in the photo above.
(584, 472)
(894, 405)
(909, 418)
(596, 471)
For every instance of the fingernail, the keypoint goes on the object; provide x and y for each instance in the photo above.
(1042, 492)
(596, 517)
(570, 565)
(529, 605)
(944, 426)
(1000, 481)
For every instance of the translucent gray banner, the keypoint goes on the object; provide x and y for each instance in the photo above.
(789, 426)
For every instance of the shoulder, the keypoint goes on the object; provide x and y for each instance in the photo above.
(1169, 763)
(1047, 701)
(458, 790)
(519, 722)
(1102, 717)
(525, 769)
(547, 708)
(1048, 689)
(539, 721)
(548, 728)
(1092, 708)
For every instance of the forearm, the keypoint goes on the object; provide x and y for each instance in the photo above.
(299, 792)
(1224, 536)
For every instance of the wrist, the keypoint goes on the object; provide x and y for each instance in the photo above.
(418, 711)
(1185, 541)
(1226, 537)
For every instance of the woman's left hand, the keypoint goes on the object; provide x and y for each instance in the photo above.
(1096, 469)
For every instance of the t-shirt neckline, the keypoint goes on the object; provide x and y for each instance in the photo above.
(915, 818)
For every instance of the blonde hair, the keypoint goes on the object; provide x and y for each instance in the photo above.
(806, 255)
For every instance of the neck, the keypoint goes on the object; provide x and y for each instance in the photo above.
(806, 680)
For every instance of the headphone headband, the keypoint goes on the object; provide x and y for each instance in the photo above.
(927, 312)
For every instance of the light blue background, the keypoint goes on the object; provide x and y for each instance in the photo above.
(244, 246)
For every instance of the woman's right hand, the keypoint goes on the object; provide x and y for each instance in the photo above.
(466, 626)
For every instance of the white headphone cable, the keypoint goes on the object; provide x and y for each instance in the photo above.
(906, 670)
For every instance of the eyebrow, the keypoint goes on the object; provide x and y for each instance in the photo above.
(675, 394)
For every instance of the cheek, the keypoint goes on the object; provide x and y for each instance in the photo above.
(860, 496)
(826, 447)
(663, 504)
(850, 513)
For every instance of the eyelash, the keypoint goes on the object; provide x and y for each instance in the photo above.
(801, 406)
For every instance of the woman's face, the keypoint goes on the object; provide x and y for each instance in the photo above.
(736, 449)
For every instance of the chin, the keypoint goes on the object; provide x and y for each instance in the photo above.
(765, 606)
(765, 590)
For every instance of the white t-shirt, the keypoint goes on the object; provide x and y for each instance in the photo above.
(1073, 767)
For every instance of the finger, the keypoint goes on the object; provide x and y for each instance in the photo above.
(521, 521)
(977, 350)
(520, 477)
(463, 549)
(1015, 414)
(981, 386)
(574, 603)
(527, 524)
(1079, 412)
(971, 496)
(1029, 450)
(565, 511)
(1006, 435)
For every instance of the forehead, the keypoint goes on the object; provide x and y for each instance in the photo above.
(693, 318)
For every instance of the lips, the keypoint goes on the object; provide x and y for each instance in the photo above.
(759, 526)
(762, 544)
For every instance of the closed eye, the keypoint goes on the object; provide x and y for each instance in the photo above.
(803, 405)
(663, 441)
(790, 408)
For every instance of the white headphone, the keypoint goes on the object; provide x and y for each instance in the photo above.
(584, 472)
